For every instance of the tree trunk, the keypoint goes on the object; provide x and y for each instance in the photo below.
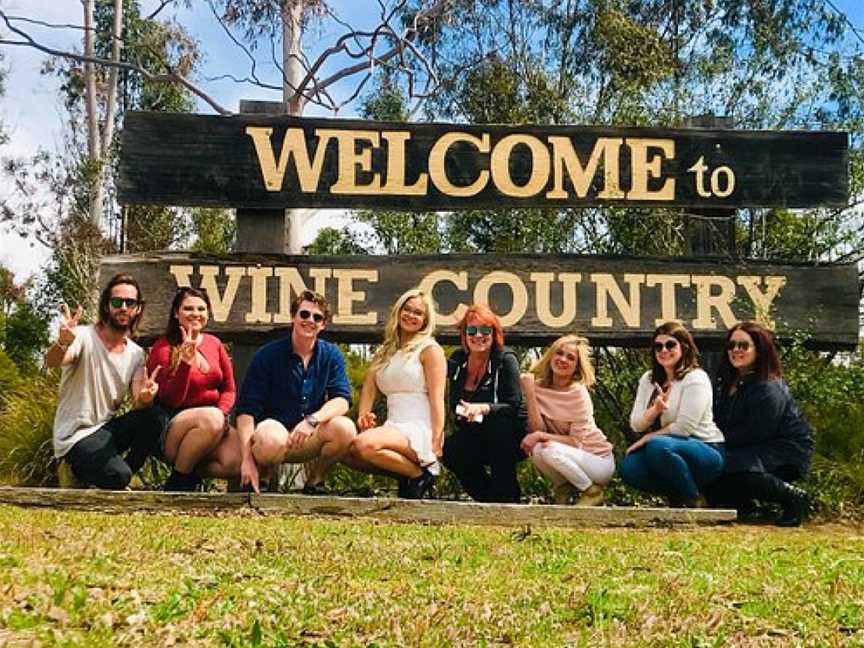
(93, 143)
(292, 97)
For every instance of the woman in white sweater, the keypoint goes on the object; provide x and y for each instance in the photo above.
(681, 448)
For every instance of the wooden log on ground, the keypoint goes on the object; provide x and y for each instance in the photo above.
(386, 509)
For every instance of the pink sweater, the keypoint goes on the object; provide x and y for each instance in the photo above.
(571, 413)
(186, 386)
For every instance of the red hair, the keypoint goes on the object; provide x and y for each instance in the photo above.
(486, 316)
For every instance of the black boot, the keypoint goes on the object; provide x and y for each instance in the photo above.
(419, 487)
(181, 482)
(796, 505)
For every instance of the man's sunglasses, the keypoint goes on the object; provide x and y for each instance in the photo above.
(669, 345)
(117, 302)
(471, 331)
(740, 345)
(316, 317)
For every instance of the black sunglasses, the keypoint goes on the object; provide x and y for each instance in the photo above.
(669, 345)
(478, 330)
(117, 302)
(316, 317)
(739, 345)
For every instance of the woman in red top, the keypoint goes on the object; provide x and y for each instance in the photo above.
(196, 387)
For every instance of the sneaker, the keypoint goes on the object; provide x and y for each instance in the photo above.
(591, 496)
(563, 493)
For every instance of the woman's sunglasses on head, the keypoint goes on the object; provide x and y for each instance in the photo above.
(472, 331)
(668, 345)
(316, 317)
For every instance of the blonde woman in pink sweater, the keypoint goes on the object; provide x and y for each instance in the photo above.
(563, 440)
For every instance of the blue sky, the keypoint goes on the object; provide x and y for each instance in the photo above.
(32, 113)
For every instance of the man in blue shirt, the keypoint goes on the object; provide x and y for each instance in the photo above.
(294, 399)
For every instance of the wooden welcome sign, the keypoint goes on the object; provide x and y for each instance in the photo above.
(269, 162)
(615, 301)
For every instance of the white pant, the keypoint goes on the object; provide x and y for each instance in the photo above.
(561, 463)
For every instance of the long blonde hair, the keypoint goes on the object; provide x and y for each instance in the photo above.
(584, 372)
(391, 343)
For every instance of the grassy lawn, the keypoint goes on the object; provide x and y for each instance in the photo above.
(70, 578)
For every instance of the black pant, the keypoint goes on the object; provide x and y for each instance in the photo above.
(738, 490)
(96, 459)
(470, 449)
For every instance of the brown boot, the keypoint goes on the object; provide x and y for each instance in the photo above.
(591, 496)
(563, 493)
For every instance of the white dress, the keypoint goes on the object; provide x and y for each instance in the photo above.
(403, 382)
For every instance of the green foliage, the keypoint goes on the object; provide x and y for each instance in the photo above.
(338, 242)
(26, 423)
(214, 230)
(10, 378)
(150, 228)
(25, 336)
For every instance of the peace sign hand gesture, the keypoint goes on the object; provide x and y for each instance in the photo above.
(661, 402)
(149, 387)
(189, 346)
(66, 335)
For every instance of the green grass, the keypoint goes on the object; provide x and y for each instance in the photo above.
(79, 579)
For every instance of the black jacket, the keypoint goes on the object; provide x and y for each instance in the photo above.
(507, 402)
(763, 426)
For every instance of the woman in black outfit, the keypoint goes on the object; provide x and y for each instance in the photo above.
(768, 441)
(486, 400)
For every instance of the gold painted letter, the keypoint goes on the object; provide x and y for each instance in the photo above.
(543, 282)
(564, 157)
(705, 301)
(501, 166)
(458, 279)
(642, 168)
(294, 144)
(668, 303)
(608, 287)
(438, 170)
(762, 302)
(517, 289)
(221, 302)
(346, 296)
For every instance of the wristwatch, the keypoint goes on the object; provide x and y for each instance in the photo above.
(312, 420)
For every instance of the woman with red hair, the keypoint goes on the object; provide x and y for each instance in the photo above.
(486, 399)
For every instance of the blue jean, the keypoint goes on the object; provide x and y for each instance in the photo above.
(673, 466)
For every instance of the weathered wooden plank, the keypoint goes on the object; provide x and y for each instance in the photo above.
(611, 300)
(91, 499)
(392, 510)
(474, 513)
(244, 161)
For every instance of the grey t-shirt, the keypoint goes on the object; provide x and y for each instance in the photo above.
(92, 387)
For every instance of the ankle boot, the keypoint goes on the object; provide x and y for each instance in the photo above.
(181, 482)
(563, 493)
(796, 506)
(419, 487)
(591, 496)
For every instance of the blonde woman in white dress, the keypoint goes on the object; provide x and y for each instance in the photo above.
(410, 370)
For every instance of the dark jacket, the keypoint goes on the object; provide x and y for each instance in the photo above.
(763, 426)
(507, 404)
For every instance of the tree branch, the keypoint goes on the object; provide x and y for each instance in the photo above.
(169, 77)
